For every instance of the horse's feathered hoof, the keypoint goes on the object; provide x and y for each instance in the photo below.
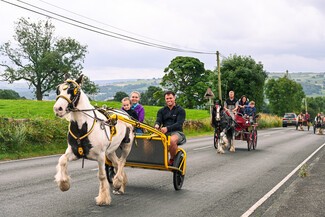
(102, 201)
(232, 149)
(64, 185)
(220, 151)
(117, 183)
(117, 192)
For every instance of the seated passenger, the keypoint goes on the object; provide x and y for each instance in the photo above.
(241, 104)
(126, 106)
(170, 120)
(250, 111)
(231, 104)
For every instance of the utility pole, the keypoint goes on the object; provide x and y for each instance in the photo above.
(219, 78)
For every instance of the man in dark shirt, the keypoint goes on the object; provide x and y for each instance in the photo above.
(170, 121)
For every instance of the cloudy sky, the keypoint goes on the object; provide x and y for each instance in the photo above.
(282, 34)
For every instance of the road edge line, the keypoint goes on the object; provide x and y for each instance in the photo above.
(275, 188)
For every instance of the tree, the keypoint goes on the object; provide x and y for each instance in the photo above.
(153, 96)
(89, 86)
(120, 95)
(315, 105)
(187, 77)
(284, 95)
(40, 58)
(244, 76)
(9, 94)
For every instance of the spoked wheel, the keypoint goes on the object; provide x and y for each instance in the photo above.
(216, 138)
(255, 139)
(250, 141)
(178, 178)
(110, 173)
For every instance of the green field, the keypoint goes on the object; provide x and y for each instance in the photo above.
(30, 109)
(29, 128)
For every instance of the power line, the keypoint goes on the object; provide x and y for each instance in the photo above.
(98, 30)
(123, 30)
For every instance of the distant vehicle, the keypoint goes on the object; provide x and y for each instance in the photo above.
(289, 119)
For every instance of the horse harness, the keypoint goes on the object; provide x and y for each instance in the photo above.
(74, 90)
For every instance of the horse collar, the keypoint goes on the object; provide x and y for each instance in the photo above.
(80, 149)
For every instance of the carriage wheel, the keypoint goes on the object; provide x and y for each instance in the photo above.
(250, 141)
(255, 139)
(178, 178)
(110, 173)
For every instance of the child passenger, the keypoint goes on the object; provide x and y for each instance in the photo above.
(126, 106)
(250, 111)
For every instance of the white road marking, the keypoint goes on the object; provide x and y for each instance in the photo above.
(205, 147)
(273, 190)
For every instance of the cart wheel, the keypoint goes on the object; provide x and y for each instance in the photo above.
(178, 178)
(250, 141)
(255, 139)
(110, 173)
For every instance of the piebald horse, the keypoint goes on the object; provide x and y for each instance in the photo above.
(91, 136)
(224, 127)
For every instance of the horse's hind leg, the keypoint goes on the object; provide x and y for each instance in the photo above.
(61, 178)
(120, 179)
(104, 197)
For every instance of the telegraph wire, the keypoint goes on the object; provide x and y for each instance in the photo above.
(89, 28)
(97, 21)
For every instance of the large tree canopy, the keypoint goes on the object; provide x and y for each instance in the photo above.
(244, 76)
(187, 77)
(40, 58)
(284, 95)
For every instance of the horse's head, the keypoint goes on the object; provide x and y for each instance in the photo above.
(218, 112)
(68, 95)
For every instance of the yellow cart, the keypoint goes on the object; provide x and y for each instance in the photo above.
(150, 151)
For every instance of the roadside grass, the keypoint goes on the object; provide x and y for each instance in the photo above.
(29, 128)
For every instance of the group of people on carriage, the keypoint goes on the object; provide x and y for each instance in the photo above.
(232, 121)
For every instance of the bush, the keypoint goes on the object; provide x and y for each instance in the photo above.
(21, 135)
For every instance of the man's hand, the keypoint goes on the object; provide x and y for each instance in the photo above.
(157, 126)
(163, 129)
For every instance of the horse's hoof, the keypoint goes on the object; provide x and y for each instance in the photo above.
(117, 184)
(64, 185)
(101, 202)
(220, 152)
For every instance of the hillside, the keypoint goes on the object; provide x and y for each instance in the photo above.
(312, 83)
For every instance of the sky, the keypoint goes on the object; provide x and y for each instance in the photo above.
(281, 34)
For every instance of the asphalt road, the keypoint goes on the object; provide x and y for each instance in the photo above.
(215, 185)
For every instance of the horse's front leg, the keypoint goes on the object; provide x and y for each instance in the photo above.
(104, 197)
(232, 139)
(222, 142)
(62, 178)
